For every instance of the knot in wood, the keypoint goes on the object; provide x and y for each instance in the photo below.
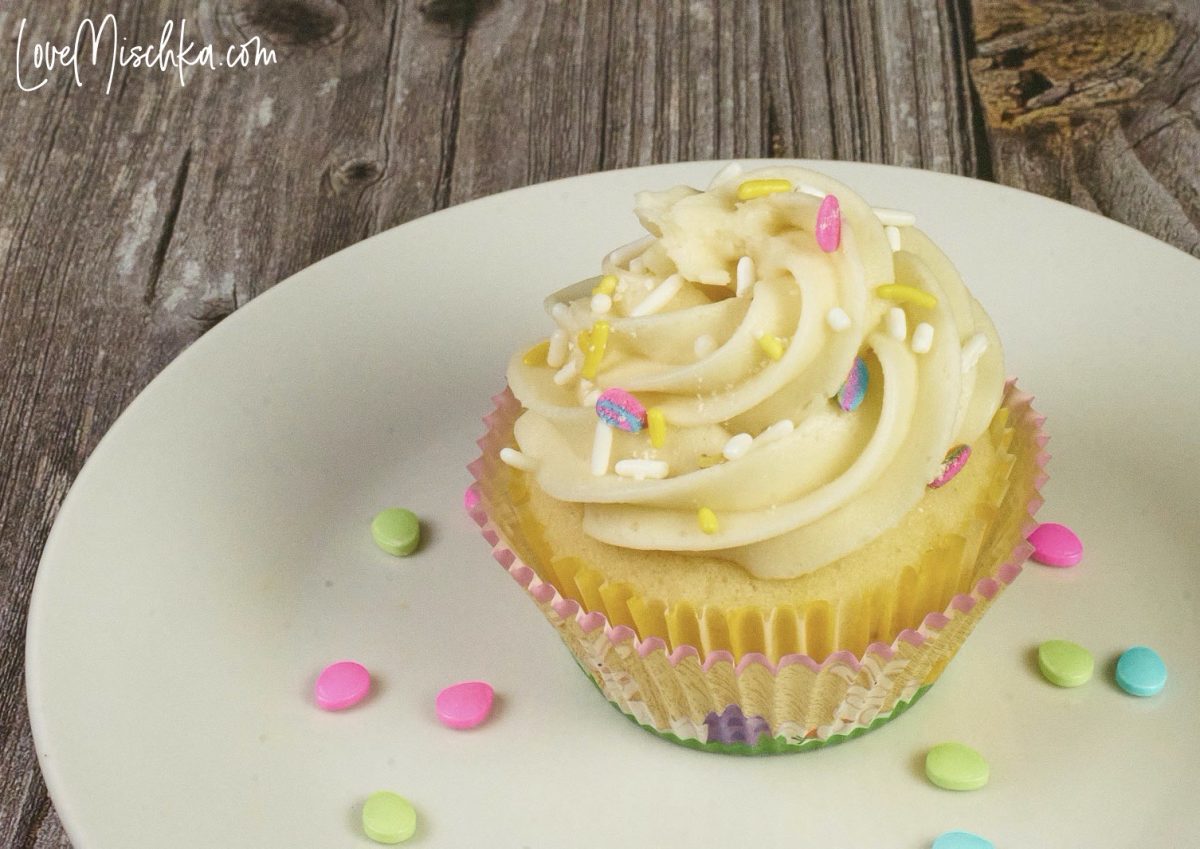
(353, 174)
(294, 22)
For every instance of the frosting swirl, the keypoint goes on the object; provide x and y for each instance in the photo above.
(737, 321)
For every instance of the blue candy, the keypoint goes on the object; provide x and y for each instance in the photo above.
(1141, 672)
(962, 840)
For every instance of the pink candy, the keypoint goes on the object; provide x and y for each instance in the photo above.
(465, 705)
(470, 498)
(1056, 545)
(342, 685)
(618, 408)
(829, 224)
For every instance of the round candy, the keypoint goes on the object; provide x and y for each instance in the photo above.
(618, 408)
(465, 705)
(1056, 545)
(829, 224)
(470, 498)
(855, 388)
(388, 817)
(342, 685)
(1141, 672)
(956, 458)
(1065, 663)
(397, 531)
(953, 766)
(962, 840)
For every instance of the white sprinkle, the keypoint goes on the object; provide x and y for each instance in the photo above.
(922, 339)
(642, 469)
(601, 449)
(972, 350)
(601, 303)
(894, 217)
(778, 430)
(638, 265)
(806, 189)
(517, 460)
(583, 388)
(557, 354)
(733, 169)
(560, 312)
(591, 398)
(567, 373)
(625, 253)
(897, 324)
(745, 275)
(893, 237)
(660, 297)
(704, 346)
(837, 319)
(737, 446)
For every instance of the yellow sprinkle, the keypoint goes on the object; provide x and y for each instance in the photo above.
(606, 286)
(594, 353)
(656, 423)
(584, 340)
(911, 294)
(772, 345)
(708, 520)
(536, 356)
(761, 188)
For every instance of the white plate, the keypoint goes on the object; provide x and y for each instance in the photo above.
(214, 554)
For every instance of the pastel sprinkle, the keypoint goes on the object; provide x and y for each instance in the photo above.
(470, 498)
(388, 817)
(606, 286)
(639, 469)
(536, 356)
(567, 373)
(922, 338)
(397, 531)
(464, 705)
(962, 840)
(656, 423)
(893, 237)
(659, 297)
(1055, 545)
(737, 446)
(704, 345)
(751, 189)
(601, 303)
(954, 766)
(894, 217)
(897, 323)
(556, 353)
(772, 345)
(594, 353)
(829, 224)
(731, 170)
(618, 408)
(837, 319)
(517, 460)
(956, 458)
(708, 520)
(906, 294)
(972, 350)
(1064, 663)
(776, 431)
(855, 388)
(1141, 672)
(341, 685)
(602, 445)
(745, 275)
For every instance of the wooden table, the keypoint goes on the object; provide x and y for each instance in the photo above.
(133, 220)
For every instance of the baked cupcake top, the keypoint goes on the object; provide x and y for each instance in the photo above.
(773, 375)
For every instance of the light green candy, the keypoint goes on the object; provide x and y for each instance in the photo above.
(397, 531)
(1065, 663)
(953, 766)
(388, 817)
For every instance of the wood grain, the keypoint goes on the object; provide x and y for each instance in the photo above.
(135, 220)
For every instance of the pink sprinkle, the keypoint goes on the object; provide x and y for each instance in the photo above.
(618, 408)
(342, 685)
(829, 224)
(466, 704)
(956, 458)
(470, 499)
(1056, 545)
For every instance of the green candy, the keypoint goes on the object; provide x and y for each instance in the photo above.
(1065, 663)
(388, 817)
(397, 531)
(953, 766)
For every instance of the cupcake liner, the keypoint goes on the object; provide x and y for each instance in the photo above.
(728, 681)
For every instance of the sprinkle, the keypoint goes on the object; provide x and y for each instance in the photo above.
(656, 422)
(776, 431)
(893, 237)
(556, 353)
(745, 275)
(771, 345)
(956, 458)
(708, 520)
(737, 446)
(972, 350)
(594, 353)
(805, 188)
(897, 324)
(601, 303)
(855, 388)
(660, 297)
(909, 294)
(829, 224)
(517, 460)
(567, 373)
(625, 253)
(894, 217)
(590, 399)
(606, 286)
(752, 189)
(536, 356)
(602, 445)
(642, 469)
(837, 319)
(922, 339)
(704, 346)
(560, 312)
(618, 408)
(733, 169)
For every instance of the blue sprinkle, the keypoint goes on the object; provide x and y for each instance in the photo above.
(1141, 672)
(962, 840)
(855, 388)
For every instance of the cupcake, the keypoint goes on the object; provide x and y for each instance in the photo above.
(765, 473)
